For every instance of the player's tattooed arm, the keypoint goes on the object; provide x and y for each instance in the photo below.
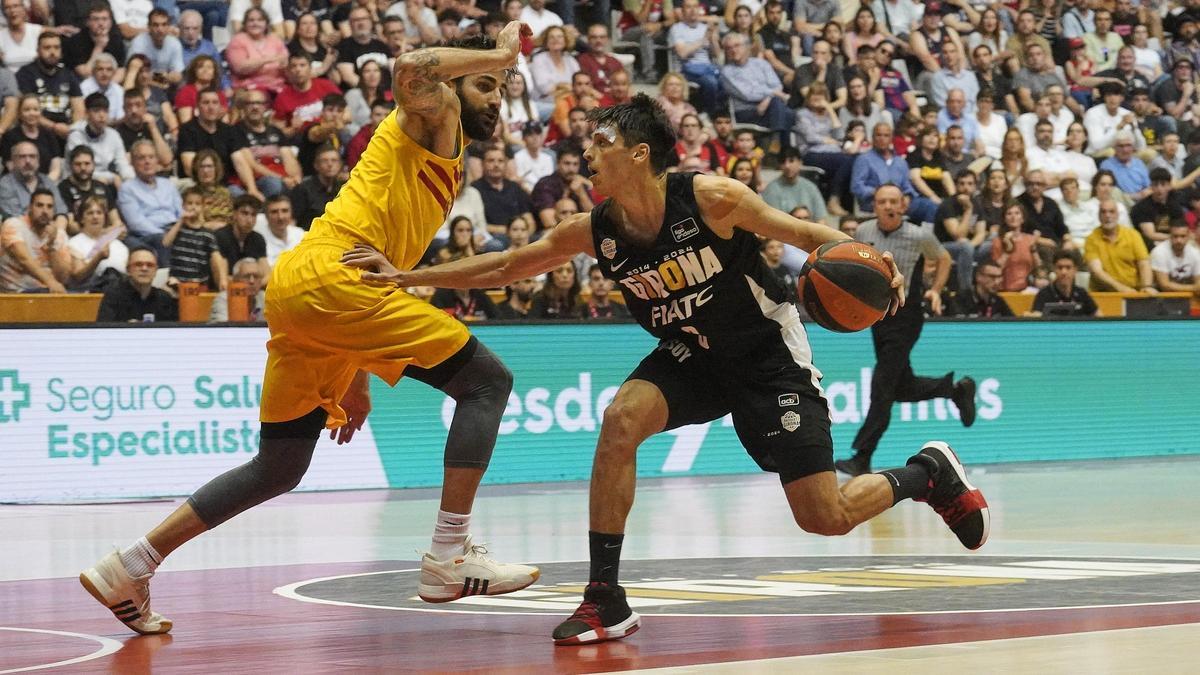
(419, 76)
(416, 86)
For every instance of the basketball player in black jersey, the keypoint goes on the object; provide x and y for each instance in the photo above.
(683, 249)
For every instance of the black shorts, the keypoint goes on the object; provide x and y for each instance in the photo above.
(779, 411)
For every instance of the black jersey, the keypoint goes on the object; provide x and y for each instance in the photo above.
(691, 284)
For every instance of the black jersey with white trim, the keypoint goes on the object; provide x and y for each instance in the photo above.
(691, 284)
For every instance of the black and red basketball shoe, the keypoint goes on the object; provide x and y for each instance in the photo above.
(958, 502)
(603, 615)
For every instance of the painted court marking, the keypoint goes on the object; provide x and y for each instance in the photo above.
(107, 646)
(292, 591)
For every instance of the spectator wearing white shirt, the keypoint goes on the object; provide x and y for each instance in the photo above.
(992, 127)
(538, 18)
(1081, 165)
(898, 17)
(1045, 156)
(1103, 121)
(90, 263)
(420, 22)
(112, 166)
(533, 162)
(131, 16)
(1175, 261)
(18, 41)
(552, 69)
(280, 229)
(1053, 110)
(1079, 215)
(468, 204)
(102, 80)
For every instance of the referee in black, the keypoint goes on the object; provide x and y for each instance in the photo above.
(896, 335)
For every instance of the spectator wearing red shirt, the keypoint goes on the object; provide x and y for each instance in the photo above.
(696, 152)
(202, 73)
(299, 102)
(358, 144)
(598, 62)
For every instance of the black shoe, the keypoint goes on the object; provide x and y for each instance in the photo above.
(855, 466)
(958, 502)
(603, 615)
(964, 400)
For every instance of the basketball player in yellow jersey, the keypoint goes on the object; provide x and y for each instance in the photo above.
(329, 331)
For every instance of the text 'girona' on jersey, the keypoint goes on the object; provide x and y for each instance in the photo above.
(690, 284)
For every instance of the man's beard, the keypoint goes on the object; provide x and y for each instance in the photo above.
(523, 296)
(476, 125)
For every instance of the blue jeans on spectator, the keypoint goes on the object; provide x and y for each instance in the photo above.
(565, 9)
(778, 118)
(152, 242)
(708, 76)
(922, 210)
(646, 42)
(963, 254)
(269, 186)
(214, 12)
(837, 168)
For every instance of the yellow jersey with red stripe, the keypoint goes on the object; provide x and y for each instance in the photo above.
(326, 324)
(397, 197)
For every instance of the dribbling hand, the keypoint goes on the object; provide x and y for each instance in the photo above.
(897, 285)
(377, 269)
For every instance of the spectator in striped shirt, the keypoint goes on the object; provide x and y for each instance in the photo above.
(195, 255)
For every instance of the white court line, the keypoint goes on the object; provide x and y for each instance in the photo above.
(291, 590)
(792, 663)
(107, 646)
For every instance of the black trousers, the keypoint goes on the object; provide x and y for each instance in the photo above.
(893, 379)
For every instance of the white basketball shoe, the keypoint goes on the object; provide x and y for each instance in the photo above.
(127, 597)
(471, 573)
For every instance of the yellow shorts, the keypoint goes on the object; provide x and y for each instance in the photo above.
(326, 324)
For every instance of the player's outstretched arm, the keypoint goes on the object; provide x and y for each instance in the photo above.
(727, 203)
(419, 77)
(488, 270)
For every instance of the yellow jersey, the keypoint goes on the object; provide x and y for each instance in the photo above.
(397, 197)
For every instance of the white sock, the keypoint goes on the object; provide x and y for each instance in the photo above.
(449, 534)
(140, 558)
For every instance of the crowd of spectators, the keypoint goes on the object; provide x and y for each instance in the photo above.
(152, 143)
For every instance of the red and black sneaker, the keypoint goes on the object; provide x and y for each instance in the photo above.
(603, 615)
(958, 502)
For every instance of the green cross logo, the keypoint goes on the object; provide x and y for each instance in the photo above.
(14, 395)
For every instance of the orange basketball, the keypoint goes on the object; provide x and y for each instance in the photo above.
(845, 286)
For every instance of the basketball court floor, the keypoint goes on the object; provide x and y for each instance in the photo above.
(1092, 567)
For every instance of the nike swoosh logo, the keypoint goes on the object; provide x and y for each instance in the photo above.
(617, 266)
(612, 546)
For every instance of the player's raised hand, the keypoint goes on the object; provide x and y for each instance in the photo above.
(377, 269)
(509, 39)
(897, 284)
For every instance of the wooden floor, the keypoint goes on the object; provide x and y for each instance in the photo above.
(1092, 567)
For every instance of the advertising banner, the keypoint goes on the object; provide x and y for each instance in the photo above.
(128, 413)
